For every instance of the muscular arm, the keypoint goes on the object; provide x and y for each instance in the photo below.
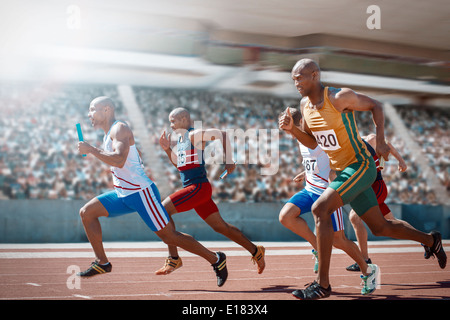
(303, 134)
(120, 136)
(346, 100)
(165, 144)
(371, 139)
(402, 166)
(172, 157)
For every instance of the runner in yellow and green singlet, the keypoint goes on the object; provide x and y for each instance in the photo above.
(338, 136)
(328, 120)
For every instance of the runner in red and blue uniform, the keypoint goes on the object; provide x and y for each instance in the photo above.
(197, 191)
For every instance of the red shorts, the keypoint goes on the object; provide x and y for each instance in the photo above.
(381, 192)
(197, 197)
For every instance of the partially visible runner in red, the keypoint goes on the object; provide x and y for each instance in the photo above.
(197, 191)
(381, 191)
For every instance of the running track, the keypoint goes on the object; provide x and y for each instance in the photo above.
(40, 272)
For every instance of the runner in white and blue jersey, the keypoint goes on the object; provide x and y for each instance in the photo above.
(316, 176)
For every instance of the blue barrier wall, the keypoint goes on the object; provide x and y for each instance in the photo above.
(47, 221)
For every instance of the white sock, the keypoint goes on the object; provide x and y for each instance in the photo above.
(218, 257)
(369, 270)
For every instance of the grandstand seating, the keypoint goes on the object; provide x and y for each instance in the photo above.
(39, 160)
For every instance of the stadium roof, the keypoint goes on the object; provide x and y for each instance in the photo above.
(201, 42)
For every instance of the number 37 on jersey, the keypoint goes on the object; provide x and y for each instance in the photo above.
(327, 140)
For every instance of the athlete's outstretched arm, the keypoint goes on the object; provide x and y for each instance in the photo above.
(300, 177)
(164, 142)
(402, 166)
(120, 136)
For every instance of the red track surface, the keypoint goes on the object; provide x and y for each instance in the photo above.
(405, 275)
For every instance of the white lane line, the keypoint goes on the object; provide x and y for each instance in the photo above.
(33, 284)
(161, 245)
(163, 254)
(81, 296)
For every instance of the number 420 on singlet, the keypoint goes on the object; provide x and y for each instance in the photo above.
(327, 140)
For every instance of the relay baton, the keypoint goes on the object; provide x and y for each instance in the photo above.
(80, 134)
(381, 160)
(225, 173)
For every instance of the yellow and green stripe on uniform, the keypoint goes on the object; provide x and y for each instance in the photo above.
(354, 183)
(359, 148)
(358, 175)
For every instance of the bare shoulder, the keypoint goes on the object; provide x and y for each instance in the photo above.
(342, 98)
(121, 130)
(341, 93)
(121, 126)
(194, 134)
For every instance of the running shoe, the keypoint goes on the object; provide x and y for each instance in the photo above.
(438, 250)
(258, 258)
(95, 269)
(371, 281)
(313, 291)
(355, 266)
(316, 262)
(220, 268)
(170, 266)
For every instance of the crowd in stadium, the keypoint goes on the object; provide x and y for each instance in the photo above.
(242, 110)
(429, 128)
(39, 160)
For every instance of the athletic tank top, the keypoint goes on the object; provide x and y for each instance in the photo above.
(317, 168)
(336, 133)
(190, 161)
(131, 177)
(375, 158)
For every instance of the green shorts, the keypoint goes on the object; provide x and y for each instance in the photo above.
(354, 185)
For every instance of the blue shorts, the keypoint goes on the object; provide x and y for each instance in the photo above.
(146, 202)
(305, 199)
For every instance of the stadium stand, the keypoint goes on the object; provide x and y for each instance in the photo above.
(38, 158)
(250, 110)
(429, 128)
(38, 142)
